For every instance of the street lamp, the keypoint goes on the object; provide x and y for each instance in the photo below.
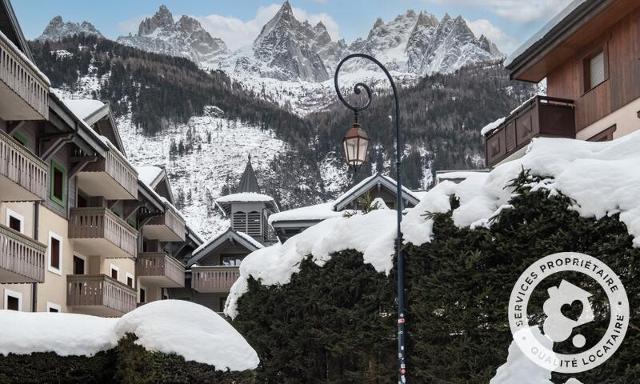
(356, 142)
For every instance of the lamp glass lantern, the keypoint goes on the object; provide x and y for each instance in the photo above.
(355, 143)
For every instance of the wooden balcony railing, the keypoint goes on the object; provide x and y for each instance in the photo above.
(541, 116)
(102, 226)
(21, 258)
(100, 295)
(213, 279)
(167, 227)
(160, 267)
(25, 173)
(25, 80)
(122, 182)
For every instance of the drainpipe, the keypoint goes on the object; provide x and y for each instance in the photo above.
(34, 286)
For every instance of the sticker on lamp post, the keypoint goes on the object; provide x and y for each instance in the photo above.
(567, 312)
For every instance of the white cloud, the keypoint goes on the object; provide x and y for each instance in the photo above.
(237, 33)
(505, 43)
(523, 11)
(130, 25)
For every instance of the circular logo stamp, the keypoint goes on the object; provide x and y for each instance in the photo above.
(567, 309)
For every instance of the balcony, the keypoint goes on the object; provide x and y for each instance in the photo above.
(112, 177)
(21, 258)
(541, 116)
(99, 232)
(213, 279)
(23, 176)
(159, 269)
(99, 295)
(24, 90)
(168, 227)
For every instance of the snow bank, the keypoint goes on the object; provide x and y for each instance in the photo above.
(148, 173)
(601, 177)
(491, 126)
(83, 108)
(170, 326)
(519, 369)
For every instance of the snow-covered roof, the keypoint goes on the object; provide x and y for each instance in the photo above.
(457, 175)
(600, 177)
(208, 246)
(244, 197)
(169, 326)
(310, 213)
(544, 32)
(149, 174)
(363, 186)
(84, 108)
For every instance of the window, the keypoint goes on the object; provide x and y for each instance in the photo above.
(12, 300)
(596, 69)
(15, 221)
(53, 308)
(114, 272)
(58, 180)
(143, 295)
(55, 253)
(231, 261)
(606, 135)
(78, 265)
(129, 279)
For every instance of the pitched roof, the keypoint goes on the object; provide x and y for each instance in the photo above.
(366, 184)
(248, 181)
(11, 27)
(209, 246)
(91, 112)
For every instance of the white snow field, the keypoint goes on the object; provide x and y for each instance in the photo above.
(170, 326)
(601, 177)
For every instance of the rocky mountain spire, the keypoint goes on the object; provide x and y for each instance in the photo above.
(57, 30)
(162, 19)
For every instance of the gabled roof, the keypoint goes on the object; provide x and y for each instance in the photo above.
(248, 181)
(93, 111)
(229, 235)
(370, 182)
(11, 28)
(225, 202)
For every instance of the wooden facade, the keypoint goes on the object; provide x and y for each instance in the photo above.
(621, 45)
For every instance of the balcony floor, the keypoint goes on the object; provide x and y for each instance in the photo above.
(100, 247)
(102, 184)
(12, 191)
(14, 107)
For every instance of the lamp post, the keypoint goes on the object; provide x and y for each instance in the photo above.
(355, 144)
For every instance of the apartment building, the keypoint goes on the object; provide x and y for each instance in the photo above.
(79, 232)
(588, 55)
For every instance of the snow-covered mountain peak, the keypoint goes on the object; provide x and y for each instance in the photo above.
(161, 19)
(184, 38)
(57, 29)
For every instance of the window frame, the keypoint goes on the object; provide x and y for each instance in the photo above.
(50, 268)
(15, 295)
(55, 166)
(114, 268)
(55, 306)
(128, 276)
(586, 66)
(11, 213)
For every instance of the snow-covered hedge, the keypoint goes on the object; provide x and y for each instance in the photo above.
(467, 244)
(166, 341)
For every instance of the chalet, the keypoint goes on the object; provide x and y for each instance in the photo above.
(377, 188)
(588, 55)
(79, 231)
(214, 266)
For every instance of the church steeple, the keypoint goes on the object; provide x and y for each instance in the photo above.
(248, 181)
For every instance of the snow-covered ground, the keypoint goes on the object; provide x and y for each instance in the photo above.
(170, 326)
(220, 148)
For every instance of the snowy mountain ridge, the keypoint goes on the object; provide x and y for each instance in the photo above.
(57, 30)
(183, 38)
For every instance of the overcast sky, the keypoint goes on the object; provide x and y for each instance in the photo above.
(507, 22)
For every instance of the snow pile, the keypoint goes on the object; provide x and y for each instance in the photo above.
(83, 108)
(600, 177)
(519, 369)
(491, 126)
(148, 173)
(170, 326)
